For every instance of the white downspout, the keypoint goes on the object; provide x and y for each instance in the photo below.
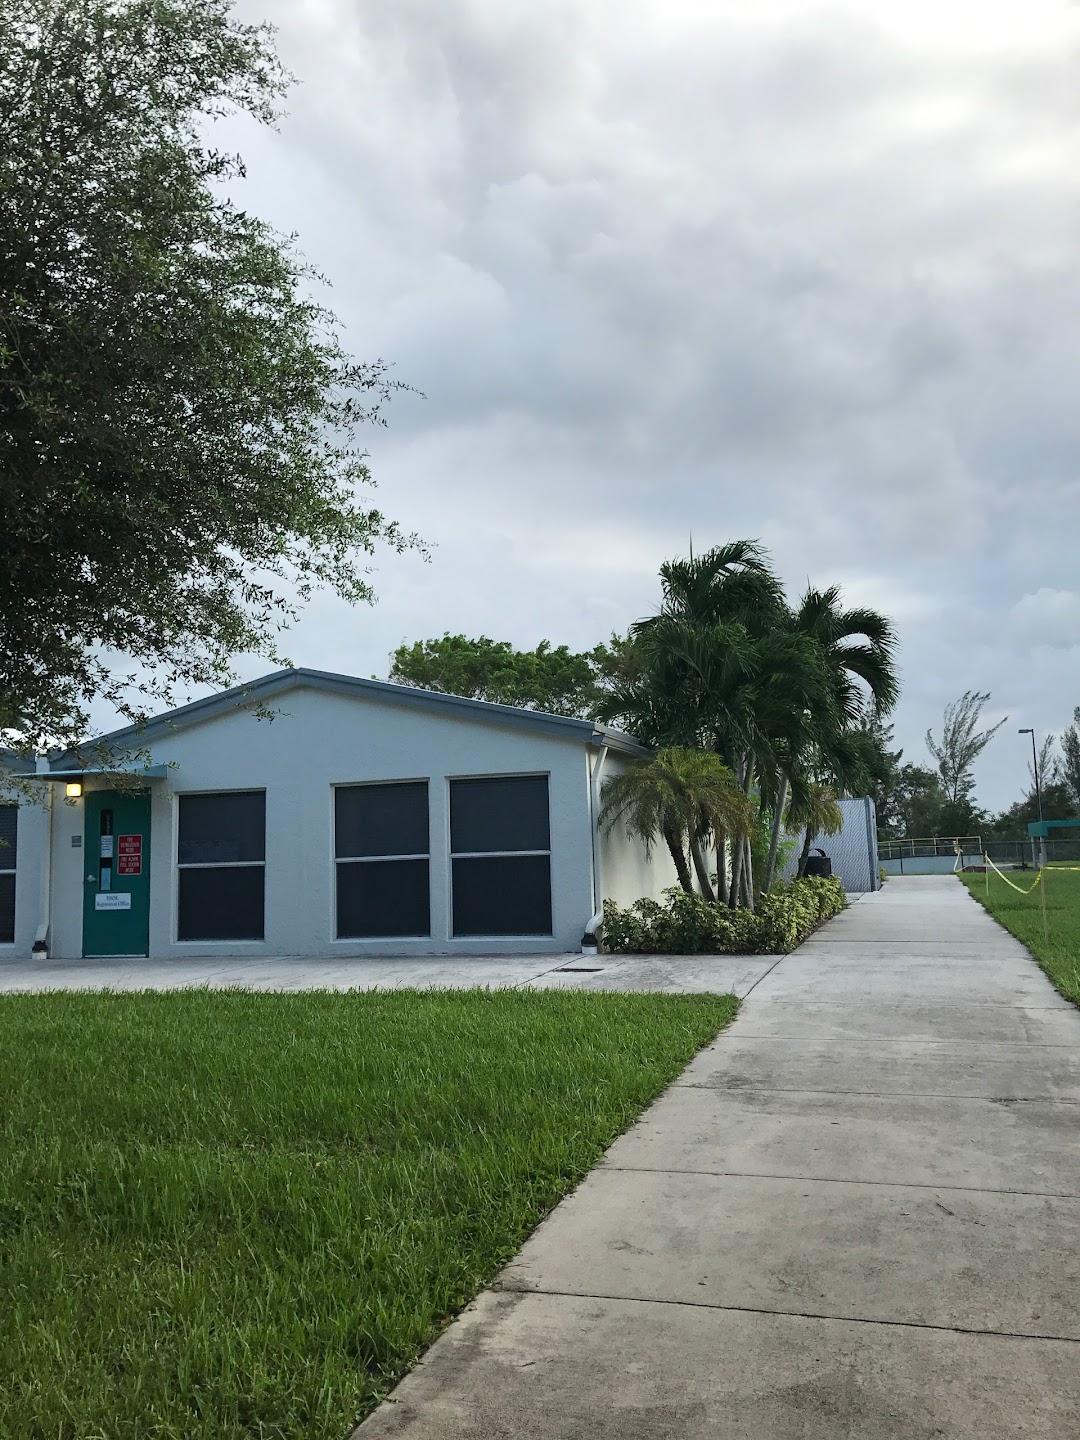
(40, 950)
(590, 942)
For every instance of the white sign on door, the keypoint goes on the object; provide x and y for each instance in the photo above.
(112, 900)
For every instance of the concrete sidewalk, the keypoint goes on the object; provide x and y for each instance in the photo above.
(857, 1214)
(722, 974)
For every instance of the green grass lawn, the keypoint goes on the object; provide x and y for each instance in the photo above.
(1058, 949)
(226, 1214)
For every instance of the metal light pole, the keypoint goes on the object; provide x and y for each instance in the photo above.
(1035, 767)
(1038, 788)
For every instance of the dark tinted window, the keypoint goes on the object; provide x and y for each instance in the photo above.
(9, 835)
(219, 829)
(390, 897)
(381, 819)
(220, 904)
(7, 908)
(508, 813)
(508, 895)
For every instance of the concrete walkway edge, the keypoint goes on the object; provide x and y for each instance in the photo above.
(857, 1213)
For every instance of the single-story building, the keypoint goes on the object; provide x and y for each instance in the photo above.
(311, 813)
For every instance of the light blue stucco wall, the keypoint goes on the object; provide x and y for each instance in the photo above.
(315, 741)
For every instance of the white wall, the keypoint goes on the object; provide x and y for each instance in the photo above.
(628, 873)
(317, 740)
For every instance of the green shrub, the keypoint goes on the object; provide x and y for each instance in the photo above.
(690, 925)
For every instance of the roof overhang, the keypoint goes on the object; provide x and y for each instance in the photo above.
(112, 772)
(1041, 828)
(256, 694)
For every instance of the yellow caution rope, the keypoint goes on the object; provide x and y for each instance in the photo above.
(1018, 888)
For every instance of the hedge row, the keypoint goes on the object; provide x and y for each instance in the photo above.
(690, 925)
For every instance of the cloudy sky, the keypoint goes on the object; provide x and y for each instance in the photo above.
(803, 272)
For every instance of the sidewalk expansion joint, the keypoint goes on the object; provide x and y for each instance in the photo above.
(506, 1289)
(941, 1185)
(734, 1091)
(809, 1043)
(779, 960)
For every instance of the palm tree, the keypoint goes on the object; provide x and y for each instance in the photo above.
(857, 650)
(683, 795)
(726, 665)
(719, 670)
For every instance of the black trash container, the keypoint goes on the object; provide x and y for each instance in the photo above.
(818, 864)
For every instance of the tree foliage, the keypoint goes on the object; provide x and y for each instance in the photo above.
(689, 797)
(777, 692)
(883, 770)
(816, 812)
(178, 452)
(1070, 757)
(1058, 803)
(961, 744)
(557, 680)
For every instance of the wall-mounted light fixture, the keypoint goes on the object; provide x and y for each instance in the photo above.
(73, 789)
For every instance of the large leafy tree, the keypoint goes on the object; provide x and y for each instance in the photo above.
(884, 764)
(558, 680)
(1058, 803)
(919, 802)
(1057, 795)
(1070, 756)
(961, 744)
(179, 464)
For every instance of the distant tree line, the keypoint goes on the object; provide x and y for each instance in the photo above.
(919, 800)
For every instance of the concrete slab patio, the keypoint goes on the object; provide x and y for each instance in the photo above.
(857, 1214)
(718, 974)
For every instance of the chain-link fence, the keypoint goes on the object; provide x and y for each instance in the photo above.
(853, 852)
(929, 855)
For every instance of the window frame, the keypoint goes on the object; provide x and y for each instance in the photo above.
(337, 860)
(178, 865)
(453, 855)
(11, 867)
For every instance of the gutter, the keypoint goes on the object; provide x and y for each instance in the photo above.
(590, 941)
(40, 948)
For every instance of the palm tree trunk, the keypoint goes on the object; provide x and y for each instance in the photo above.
(736, 855)
(774, 838)
(808, 840)
(736, 873)
(701, 866)
(742, 874)
(721, 867)
(748, 857)
(678, 854)
(748, 876)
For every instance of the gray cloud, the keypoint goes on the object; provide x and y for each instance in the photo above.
(794, 271)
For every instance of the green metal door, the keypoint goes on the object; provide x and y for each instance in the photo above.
(116, 874)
